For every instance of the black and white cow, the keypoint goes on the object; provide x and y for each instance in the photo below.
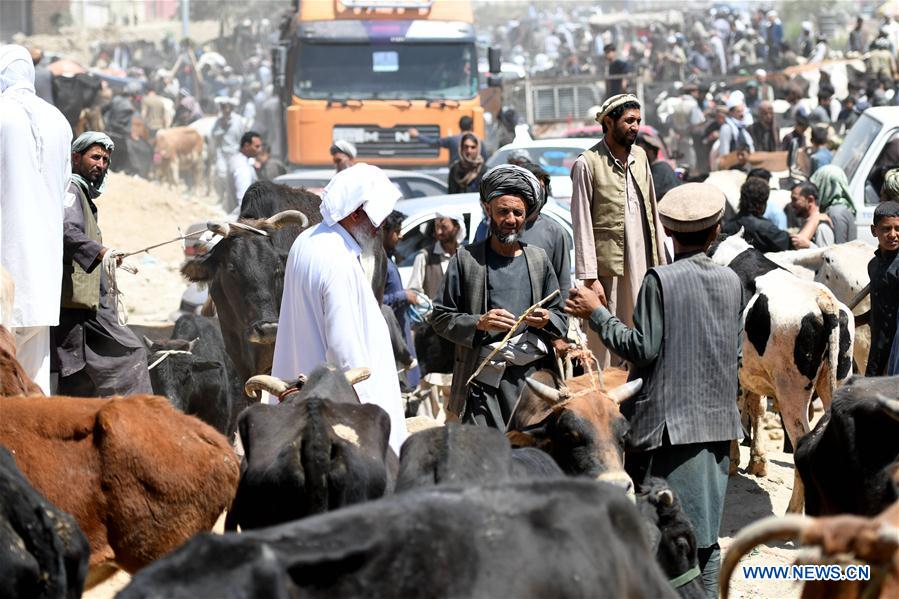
(526, 539)
(797, 341)
(849, 463)
(317, 450)
(43, 553)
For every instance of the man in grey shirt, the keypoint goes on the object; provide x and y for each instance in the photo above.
(822, 228)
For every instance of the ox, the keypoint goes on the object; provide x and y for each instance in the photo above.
(528, 539)
(245, 271)
(578, 425)
(318, 450)
(178, 149)
(459, 454)
(43, 553)
(834, 540)
(797, 340)
(843, 269)
(13, 378)
(139, 477)
(848, 461)
(195, 373)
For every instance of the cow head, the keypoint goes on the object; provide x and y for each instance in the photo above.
(581, 428)
(318, 450)
(726, 248)
(245, 274)
(192, 384)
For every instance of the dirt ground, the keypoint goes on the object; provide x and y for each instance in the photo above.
(136, 213)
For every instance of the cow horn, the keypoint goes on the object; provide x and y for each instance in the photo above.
(890, 406)
(625, 391)
(192, 344)
(219, 228)
(665, 498)
(789, 527)
(357, 375)
(288, 217)
(545, 392)
(264, 382)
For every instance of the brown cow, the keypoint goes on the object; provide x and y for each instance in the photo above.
(13, 378)
(139, 477)
(179, 148)
(874, 541)
(579, 425)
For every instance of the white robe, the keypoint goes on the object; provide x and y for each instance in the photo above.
(329, 314)
(35, 164)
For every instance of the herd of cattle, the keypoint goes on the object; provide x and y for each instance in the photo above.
(324, 507)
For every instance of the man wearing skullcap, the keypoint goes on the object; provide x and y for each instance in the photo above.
(343, 153)
(488, 286)
(35, 141)
(95, 355)
(687, 323)
(617, 234)
(329, 313)
(225, 141)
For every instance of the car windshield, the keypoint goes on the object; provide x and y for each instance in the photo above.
(556, 161)
(857, 142)
(386, 71)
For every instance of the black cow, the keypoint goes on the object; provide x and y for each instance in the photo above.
(528, 539)
(245, 272)
(73, 94)
(672, 536)
(193, 370)
(318, 450)
(459, 454)
(849, 461)
(43, 553)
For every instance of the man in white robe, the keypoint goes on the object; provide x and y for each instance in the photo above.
(35, 145)
(329, 313)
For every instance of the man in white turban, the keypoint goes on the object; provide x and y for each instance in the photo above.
(35, 142)
(329, 313)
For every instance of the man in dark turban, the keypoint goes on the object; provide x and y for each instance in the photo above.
(487, 287)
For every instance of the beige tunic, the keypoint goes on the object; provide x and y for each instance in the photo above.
(621, 292)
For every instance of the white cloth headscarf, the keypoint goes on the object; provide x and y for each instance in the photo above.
(360, 185)
(16, 81)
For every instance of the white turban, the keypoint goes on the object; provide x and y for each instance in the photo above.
(16, 69)
(359, 185)
(459, 219)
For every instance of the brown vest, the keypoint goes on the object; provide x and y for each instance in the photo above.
(80, 289)
(433, 278)
(607, 206)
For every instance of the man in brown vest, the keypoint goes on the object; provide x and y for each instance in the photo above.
(617, 233)
(93, 354)
(435, 354)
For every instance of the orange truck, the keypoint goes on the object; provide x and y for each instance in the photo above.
(368, 71)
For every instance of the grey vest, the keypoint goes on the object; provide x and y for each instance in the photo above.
(691, 388)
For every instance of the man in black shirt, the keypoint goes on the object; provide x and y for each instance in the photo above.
(759, 232)
(616, 83)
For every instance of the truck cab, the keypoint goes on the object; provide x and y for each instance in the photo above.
(869, 147)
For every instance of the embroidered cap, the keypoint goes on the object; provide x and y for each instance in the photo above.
(692, 207)
(614, 102)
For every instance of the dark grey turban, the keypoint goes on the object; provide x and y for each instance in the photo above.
(508, 179)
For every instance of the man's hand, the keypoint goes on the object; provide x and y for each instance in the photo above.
(582, 302)
(596, 287)
(118, 259)
(800, 243)
(412, 131)
(411, 297)
(538, 318)
(496, 320)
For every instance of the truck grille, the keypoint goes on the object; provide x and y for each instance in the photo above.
(372, 141)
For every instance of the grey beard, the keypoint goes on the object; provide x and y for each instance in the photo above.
(507, 239)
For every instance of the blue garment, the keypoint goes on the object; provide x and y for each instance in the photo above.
(395, 297)
(482, 231)
(821, 158)
(451, 143)
(775, 214)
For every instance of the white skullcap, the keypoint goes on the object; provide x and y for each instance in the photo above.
(359, 185)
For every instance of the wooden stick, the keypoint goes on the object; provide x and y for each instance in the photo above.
(510, 333)
(859, 297)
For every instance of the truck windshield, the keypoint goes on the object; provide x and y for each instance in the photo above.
(365, 71)
(857, 142)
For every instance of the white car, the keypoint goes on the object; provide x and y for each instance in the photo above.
(555, 156)
(411, 184)
(418, 226)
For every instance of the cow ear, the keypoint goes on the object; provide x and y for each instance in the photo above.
(199, 270)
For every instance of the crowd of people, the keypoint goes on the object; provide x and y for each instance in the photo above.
(496, 311)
